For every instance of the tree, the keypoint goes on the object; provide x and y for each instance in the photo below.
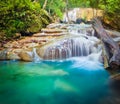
(21, 16)
(45, 4)
(94, 4)
(54, 7)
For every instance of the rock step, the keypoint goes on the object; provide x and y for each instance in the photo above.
(48, 34)
(46, 30)
(58, 26)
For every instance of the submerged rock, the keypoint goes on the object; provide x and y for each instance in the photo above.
(65, 86)
(59, 72)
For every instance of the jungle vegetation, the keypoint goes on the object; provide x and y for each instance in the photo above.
(31, 15)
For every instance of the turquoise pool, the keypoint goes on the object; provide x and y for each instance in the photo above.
(72, 81)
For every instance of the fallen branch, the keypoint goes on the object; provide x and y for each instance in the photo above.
(111, 48)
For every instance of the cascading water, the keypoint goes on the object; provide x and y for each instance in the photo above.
(81, 30)
(79, 42)
(35, 56)
(70, 48)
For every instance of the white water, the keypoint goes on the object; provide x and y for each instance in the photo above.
(36, 56)
(79, 42)
(71, 47)
(87, 63)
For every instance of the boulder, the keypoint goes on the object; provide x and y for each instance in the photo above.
(26, 55)
(40, 52)
(79, 20)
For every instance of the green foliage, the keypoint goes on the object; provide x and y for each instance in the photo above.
(112, 12)
(111, 9)
(78, 3)
(28, 15)
(55, 7)
(112, 6)
(21, 16)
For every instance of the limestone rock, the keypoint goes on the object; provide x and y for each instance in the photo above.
(48, 34)
(53, 30)
(40, 52)
(8, 45)
(13, 56)
(26, 55)
(31, 45)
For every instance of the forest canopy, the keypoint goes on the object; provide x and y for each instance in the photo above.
(32, 15)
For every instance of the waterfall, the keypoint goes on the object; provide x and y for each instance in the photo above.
(36, 57)
(70, 47)
(80, 41)
(81, 29)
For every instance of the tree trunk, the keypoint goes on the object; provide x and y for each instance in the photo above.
(45, 4)
(112, 49)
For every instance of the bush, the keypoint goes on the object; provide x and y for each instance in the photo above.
(21, 16)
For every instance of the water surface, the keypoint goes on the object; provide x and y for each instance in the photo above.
(73, 81)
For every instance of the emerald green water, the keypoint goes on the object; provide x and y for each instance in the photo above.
(74, 81)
